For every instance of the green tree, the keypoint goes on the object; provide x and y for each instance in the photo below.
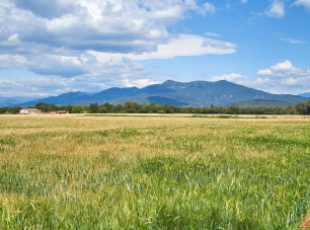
(212, 108)
(68, 108)
(109, 107)
(3, 110)
(94, 108)
(234, 110)
(16, 109)
(78, 109)
(51, 107)
(290, 109)
(42, 106)
(103, 110)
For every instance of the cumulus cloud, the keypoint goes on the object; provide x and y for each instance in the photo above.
(32, 87)
(139, 83)
(280, 78)
(237, 78)
(284, 70)
(12, 61)
(276, 9)
(304, 3)
(208, 8)
(183, 45)
(131, 26)
(46, 8)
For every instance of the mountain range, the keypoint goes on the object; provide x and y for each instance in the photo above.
(196, 93)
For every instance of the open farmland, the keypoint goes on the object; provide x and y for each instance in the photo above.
(157, 172)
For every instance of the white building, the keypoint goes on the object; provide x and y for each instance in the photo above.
(30, 111)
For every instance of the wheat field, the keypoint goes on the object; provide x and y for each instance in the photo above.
(154, 172)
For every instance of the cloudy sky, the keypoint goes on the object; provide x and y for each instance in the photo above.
(49, 47)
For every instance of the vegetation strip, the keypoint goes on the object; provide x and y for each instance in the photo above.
(134, 107)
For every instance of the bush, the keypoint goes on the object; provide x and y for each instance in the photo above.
(78, 109)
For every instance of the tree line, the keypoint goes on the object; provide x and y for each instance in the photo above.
(134, 107)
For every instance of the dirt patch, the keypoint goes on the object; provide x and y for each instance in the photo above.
(306, 223)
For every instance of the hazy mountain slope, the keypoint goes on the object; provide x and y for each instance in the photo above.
(304, 95)
(73, 97)
(9, 102)
(12, 101)
(113, 93)
(65, 98)
(171, 99)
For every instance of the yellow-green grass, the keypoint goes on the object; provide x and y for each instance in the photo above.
(165, 172)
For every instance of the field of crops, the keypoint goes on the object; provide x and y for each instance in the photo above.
(156, 172)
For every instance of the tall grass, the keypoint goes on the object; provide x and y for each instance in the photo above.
(143, 173)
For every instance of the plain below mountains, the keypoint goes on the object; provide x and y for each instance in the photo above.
(197, 93)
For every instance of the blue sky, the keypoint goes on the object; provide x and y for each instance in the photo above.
(49, 47)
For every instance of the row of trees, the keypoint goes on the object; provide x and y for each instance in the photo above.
(13, 110)
(303, 108)
(134, 107)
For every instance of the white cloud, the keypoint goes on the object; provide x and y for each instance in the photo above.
(125, 26)
(12, 61)
(280, 78)
(212, 34)
(139, 83)
(305, 3)
(276, 9)
(208, 8)
(284, 70)
(244, 1)
(183, 45)
(237, 78)
(293, 41)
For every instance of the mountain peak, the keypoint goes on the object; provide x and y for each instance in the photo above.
(169, 82)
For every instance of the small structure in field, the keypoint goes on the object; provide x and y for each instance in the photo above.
(30, 111)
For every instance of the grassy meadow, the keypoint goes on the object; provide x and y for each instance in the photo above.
(154, 172)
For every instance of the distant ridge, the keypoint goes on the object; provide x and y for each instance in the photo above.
(304, 94)
(196, 93)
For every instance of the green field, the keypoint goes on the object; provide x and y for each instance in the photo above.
(172, 172)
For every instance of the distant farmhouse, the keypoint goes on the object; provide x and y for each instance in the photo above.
(30, 111)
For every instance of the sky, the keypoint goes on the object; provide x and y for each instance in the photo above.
(50, 47)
